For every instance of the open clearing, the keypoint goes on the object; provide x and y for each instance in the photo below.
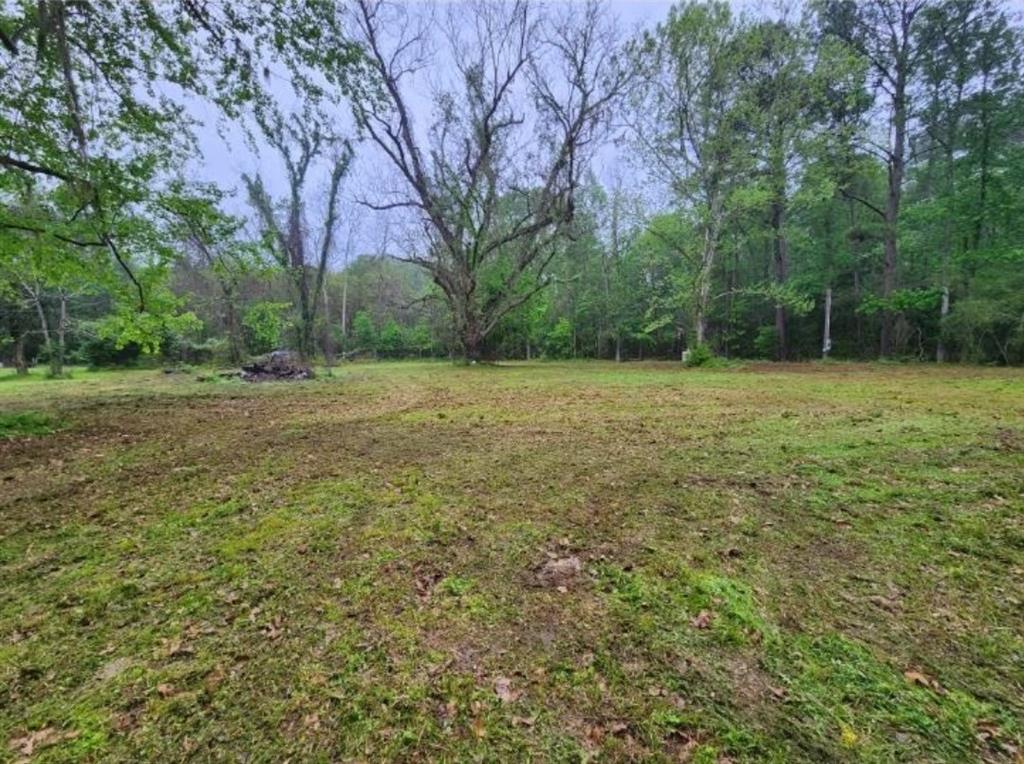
(820, 562)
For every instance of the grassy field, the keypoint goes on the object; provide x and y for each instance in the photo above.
(805, 563)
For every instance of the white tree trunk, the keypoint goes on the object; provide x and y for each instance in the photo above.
(940, 349)
(826, 342)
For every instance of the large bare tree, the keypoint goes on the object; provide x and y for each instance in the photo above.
(302, 143)
(491, 182)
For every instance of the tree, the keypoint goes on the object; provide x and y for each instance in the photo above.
(93, 115)
(884, 33)
(476, 195)
(779, 81)
(690, 122)
(195, 219)
(301, 142)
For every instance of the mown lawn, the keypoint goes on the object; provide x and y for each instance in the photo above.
(805, 563)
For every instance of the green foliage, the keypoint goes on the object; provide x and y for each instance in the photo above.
(391, 340)
(145, 330)
(364, 332)
(558, 343)
(700, 355)
(98, 351)
(903, 301)
(766, 341)
(265, 323)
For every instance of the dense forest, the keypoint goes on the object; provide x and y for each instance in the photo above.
(512, 180)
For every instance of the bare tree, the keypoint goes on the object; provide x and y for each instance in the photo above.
(492, 182)
(301, 143)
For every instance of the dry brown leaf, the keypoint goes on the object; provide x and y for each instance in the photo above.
(523, 721)
(702, 620)
(165, 690)
(274, 629)
(916, 677)
(503, 689)
(29, 743)
(175, 646)
(479, 728)
(214, 678)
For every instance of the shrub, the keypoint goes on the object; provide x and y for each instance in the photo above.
(264, 324)
(700, 355)
(99, 351)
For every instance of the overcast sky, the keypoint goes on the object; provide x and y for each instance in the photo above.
(225, 157)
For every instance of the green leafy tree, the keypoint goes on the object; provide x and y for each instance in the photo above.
(265, 324)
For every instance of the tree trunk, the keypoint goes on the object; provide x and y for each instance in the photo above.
(470, 335)
(780, 247)
(781, 263)
(57, 350)
(44, 325)
(328, 339)
(306, 340)
(344, 303)
(618, 348)
(471, 348)
(707, 263)
(826, 341)
(940, 348)
(20, 364)
(986, 140)
(234, 330)
(528, 358)
(892, 203)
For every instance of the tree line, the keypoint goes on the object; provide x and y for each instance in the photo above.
(828, 179)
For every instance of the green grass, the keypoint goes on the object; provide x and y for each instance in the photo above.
(26, 423)
(779, 563)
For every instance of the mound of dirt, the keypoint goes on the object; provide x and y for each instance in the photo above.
(279, 365)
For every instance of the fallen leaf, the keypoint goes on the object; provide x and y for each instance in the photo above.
(916, 677)
(479, 728)
(214, 678)
(446, 712)
(702, 619)
(174, 647)
(273, 630)
(847, 736)
(886, 603)
(165, 690)
(41, 738)
(523, 721)
(558, 571)
(503, 689)
(114, 668)
(595, 736)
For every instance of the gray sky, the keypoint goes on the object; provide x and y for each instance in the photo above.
(225, 156)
